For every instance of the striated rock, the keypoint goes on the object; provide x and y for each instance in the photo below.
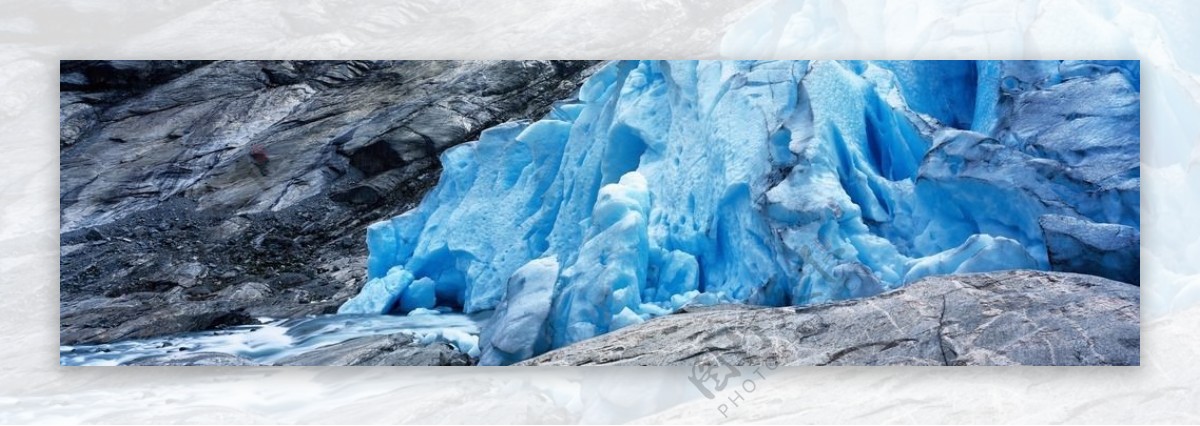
(247, 292)
(395, 349)
(147, 314)
(211, 359)
(110, 76)
(183, 179)
(1002, 318)
(320, 124)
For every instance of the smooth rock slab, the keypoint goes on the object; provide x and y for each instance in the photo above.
(394, 349)
(1003, 318)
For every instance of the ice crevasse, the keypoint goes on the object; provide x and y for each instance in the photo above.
(666, 183)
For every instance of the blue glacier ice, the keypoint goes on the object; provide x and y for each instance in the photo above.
(667, 183)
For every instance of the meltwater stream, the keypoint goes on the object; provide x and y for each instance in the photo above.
(273, 340)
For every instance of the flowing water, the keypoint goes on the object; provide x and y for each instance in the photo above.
(273, 340)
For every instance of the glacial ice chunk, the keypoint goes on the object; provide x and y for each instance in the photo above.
(518, 328)
(418, 295)
(980, 253)
(610, 270)
(379, 295)
(1106, 249)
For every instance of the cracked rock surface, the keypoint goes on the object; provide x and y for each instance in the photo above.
(1016, 317)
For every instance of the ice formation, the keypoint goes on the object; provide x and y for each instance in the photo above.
(776, 182)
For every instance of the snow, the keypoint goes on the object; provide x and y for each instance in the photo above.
(669, 183)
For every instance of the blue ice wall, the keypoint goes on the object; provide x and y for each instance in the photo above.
(767, 182)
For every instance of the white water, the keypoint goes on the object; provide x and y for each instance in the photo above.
(276, 339)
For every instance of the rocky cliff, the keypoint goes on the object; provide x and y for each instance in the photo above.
(198, 194)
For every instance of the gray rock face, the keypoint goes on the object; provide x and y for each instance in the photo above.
(147, 311)
(1002, 318)
(182, 179)
(395, 349)
(316, 121)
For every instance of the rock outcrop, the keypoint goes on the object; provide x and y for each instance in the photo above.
(394, 349)
(187, 359)
(1003, 318)
(198, 194)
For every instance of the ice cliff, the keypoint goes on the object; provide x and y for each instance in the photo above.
(773, 183)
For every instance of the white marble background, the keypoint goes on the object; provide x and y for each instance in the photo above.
(35, 34)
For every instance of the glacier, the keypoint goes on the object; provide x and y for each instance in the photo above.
(669, 183)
